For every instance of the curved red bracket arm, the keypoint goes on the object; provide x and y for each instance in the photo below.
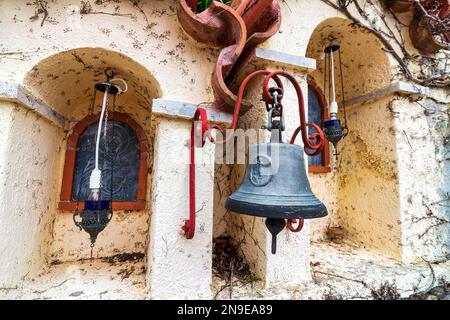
(290, 225)
(313, 143)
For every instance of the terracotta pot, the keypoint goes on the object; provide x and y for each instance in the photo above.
(445, 9)
(423, 39)
(399, 5)
(423, 35)
(192, 4)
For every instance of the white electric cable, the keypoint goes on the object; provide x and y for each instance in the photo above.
(333, 105)
(100, 123)
(332, 75)
(125, 89)
(96, 175)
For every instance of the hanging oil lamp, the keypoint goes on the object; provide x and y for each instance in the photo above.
(333, 128)
(97, 211)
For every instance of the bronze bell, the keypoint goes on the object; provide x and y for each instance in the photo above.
(276, 187)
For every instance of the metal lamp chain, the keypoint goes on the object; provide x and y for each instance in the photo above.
(111, 147)
(106, 114)
(342, 90)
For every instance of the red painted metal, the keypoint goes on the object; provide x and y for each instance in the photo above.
(290, 225)
(192, 5)
(314, 142)
(237, 28)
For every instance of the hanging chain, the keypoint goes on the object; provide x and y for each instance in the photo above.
(325, 79)
(112, 148)
(106, 113)
(343, 94)
(92, 106)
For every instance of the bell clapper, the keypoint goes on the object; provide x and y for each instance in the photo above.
(275, 226)
(92, 250)
(276, 128)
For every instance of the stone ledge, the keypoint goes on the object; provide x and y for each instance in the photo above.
(15, 92)
(291, 60)
(184, 110)
(396, 87)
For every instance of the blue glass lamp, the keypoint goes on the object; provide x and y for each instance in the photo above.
(333, 128)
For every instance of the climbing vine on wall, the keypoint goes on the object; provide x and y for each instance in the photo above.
(423, 70)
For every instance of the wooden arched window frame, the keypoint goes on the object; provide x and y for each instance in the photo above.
(325, 166)
(66, 202)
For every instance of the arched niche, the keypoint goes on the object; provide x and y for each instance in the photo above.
(65, 82)
(366, 65)
(362, 189)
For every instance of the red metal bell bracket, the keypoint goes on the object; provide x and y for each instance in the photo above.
(313, 143)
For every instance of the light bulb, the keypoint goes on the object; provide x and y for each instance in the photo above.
(333, 110)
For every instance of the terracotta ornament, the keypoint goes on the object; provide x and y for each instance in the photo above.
(237, 28)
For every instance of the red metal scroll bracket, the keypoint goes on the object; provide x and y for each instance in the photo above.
(313, 143)
(291, 222)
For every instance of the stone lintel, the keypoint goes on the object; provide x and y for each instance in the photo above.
(15, 92)
(185, 110)
(396, 87)
(293, 61)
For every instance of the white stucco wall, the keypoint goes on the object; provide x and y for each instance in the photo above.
(30, 150)
(162, 46)
(368, 191)
(422, 138)
(180, 268)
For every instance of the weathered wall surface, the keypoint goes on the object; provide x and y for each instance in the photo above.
(29, 181)
(423, 151)
(294, 36)
(9, 274)
(180, 268)
(324, 186)
(153, 39)
(368, 191)
(222, 185)
(127, 232)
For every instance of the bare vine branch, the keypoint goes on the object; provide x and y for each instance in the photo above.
(433, 72)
